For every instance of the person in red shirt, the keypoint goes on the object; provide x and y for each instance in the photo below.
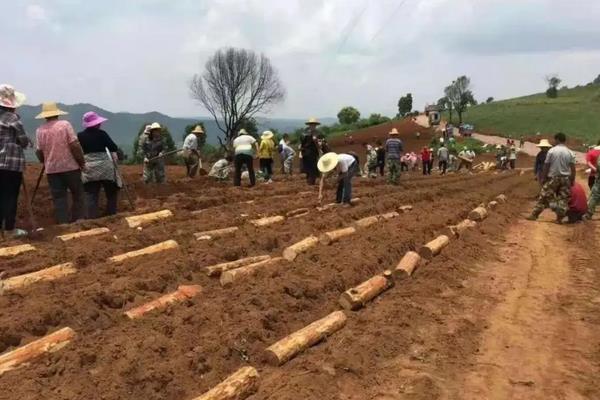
(591, 158)
(577, 204)
(426, 157)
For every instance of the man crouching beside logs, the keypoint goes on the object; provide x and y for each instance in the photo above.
(346, 167)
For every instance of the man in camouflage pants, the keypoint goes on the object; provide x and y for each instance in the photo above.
(152, 147)
(393, 151)
(594, 196)
(558, 176)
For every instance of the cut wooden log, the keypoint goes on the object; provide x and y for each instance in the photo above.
(288, 347)
(434, 247)
(47, 274)
(405, 209)
(366, 222)
(182, 293)
(209, 235)
(267, 220)
(454, 231)
(155, 248)
(228, 278)
(357, 297)
(407, 265)
(15, 250)
(297, 213)
(24, 354)
(216, 270)
(501, 199)
(327, 207)
(492, 205)
(81, 234)
(143, 219)
(390, 215)
(333, 236)
(242, 384)
(478, 214)
(290, 253)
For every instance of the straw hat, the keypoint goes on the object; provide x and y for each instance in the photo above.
(50, 110)
(91, 119)
(267, 135)
(242, 132)
(312, 121)
(10, 98)
(544, 143)
(155, 125)
(198, 129)
(327, 162)
(393, 132)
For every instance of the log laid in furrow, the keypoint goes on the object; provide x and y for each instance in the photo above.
(288, 347)
(333, 236)
(501, 198)
(300, 212)
(454, 231)
(183, 292)
(15, 250)
(434, 247)
(155, 248)
(357, 297)
(217, 269)
(46, 274)
(405, 209)
(366, 222)
(209, 235)
(138, 220)
(407, 265)
(228, 278)
(90, 232)
(243, 383)
(478, 214)
(290, 253)
(492, 204)
(267, 220)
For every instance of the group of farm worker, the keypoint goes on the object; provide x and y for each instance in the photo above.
(555, 171)
(80, 164)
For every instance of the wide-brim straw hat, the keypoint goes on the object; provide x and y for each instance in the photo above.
(91, 119)
(50, 110)
(544, 143)
(327, 162)
(242, 132)
(394, 132)
(267, 135)
(312, 121)
(198, 129)
(155, 125)
(10, 98)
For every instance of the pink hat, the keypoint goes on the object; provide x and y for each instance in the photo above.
(91, 119)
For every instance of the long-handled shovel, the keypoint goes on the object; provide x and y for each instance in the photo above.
(37, 184)
(120, 176)
(34, 232)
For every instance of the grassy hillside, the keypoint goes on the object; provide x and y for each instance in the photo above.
(576, 112)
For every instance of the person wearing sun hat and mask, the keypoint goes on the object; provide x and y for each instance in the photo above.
(540, 159)
(59, 149)
(13, 140)
(191, 153)
(152, 149)
(266, 151)
(346, 167)
(100, 169)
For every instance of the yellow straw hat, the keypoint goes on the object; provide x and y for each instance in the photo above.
(312, 121)
(267, 135)
(198, 129)
(50, 110)
(393, 132)
(327, 162)
(544, 143)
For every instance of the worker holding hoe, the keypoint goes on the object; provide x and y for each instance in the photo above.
(153, 147)
(191, 153)
(346, 167)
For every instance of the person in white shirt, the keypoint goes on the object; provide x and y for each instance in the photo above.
(245, 148)
(287, 155)
(191, 153)
(466, 158)
(220, 169)
(346, 166)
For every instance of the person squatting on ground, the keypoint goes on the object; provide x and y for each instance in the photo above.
(594, 195)
(577, 208)
(153, 148)
(220, 170)
(59, 149)
(426, 158)
(191, 152)
(540, 159)
(558, 176)
(100, 171)
(380, 157)
(393, 151)
(245, 149)
(443, 157)
(287, 155)
(346, 167)
(266, 153)
(13, 140)
(310, 151)
(371, 163)
(591, 159)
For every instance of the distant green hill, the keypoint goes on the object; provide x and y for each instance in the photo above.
(575, 112)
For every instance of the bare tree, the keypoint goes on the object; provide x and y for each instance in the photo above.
(460, 95)
(235, 85)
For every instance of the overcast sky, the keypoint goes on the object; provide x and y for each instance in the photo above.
(138, 55)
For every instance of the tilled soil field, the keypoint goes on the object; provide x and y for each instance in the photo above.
(189, 347)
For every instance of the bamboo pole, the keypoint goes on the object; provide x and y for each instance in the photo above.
(288, 347)
(333, 236)
(209, 235)
(155, 248)
(434, 247)
(238, 386)
(357, 297)
(217, 269)
(228, 278)
(290, 253)
(407, 265)
(46, 274)
(15, 250)
(139, 220)
(24, 354)
(81, 234)
(182, 293)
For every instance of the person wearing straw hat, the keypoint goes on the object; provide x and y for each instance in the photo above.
(153, 148)
(310, 151)
(393, 151)
(13, 140)
(100, 169)
(540, 159)
(346, 167)
(245, 149)
(60, 151)
(191, 153)
(266, 152)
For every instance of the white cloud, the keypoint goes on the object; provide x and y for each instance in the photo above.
(36, 14)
